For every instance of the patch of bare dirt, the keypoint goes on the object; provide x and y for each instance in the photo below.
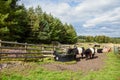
(82, 65)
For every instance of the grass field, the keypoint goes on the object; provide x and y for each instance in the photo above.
(33, 71)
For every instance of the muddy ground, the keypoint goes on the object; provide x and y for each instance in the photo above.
(84, 65)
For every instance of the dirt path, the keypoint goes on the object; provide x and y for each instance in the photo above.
(84, 65)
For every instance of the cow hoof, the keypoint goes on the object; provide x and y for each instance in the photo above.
(86, 58)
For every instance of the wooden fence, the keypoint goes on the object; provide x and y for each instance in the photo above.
(25, 50)
(117, 49)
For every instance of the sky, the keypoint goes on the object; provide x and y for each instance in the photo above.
(89, 17)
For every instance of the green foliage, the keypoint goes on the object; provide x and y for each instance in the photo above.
(44, 28)
(102, 39)
(32, 25)
(99, 39)
(89, 38)
(12, 21)
(115, 40)
(68, 34)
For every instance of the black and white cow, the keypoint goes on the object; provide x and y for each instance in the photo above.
(70, 55)
(73, 52)
(90, 52)
(81, 51)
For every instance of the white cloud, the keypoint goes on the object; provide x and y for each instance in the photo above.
(85, 10)
(104, 28)
(86, 13)
(107, 17)
(93, 5)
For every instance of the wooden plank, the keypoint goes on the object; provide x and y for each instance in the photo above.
(42, 52)
(0, 49)
(26, 57)
(47, 52)
(19, 48)
(20, 53)
(0, 43)
(48, 55)
(16, 48)
(7, 42)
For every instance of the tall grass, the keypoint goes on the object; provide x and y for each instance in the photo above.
(111, 71)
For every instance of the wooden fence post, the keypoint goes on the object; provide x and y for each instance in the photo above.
(25, 51)
(25, 47)
(119, 50)
(0, 43)
(53, 48)
(0, 49)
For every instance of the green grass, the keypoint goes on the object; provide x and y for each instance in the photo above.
(111, 71)
(41, 74)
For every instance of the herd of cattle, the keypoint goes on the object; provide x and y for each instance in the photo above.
(72, 53)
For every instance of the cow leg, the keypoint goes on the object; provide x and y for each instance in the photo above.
(82, 55)
(90, 55)
(86, 55)
(93, 55)
(75, 57)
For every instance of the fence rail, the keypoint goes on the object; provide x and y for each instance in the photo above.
(117, 49)
(24, 50)
(16, 43)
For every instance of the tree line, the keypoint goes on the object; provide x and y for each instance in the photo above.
(32, 25)
(99, 39)
(35, 26)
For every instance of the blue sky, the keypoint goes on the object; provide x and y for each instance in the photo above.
(89, 17)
